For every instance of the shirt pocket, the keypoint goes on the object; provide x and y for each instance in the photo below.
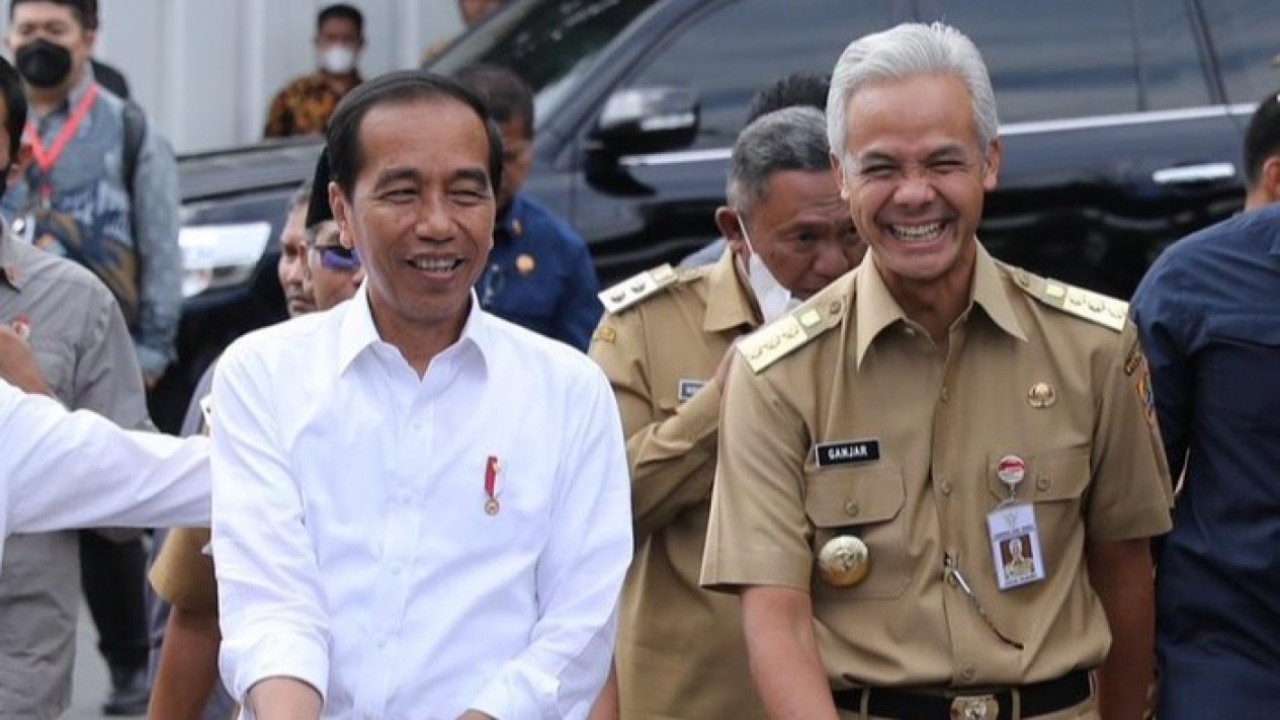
(866, 502)
(1241, 369)
(1054, 482)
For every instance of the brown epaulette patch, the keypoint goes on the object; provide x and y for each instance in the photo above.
(638, 287)
(790, 332)
(1095, 307)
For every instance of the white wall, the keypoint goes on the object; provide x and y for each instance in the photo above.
(205, 70)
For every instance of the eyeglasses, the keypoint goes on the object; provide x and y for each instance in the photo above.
(336, 257)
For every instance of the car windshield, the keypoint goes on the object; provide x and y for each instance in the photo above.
(550, 43)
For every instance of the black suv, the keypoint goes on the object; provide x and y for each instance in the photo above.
(1122, 121)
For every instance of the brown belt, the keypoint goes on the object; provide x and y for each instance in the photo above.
(1039, 698)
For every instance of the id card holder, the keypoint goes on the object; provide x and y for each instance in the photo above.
(1015, 545)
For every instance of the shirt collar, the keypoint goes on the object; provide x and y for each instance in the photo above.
(729, 303)
(509, 225)
(10, 273)
(357, 331)
(877, 310)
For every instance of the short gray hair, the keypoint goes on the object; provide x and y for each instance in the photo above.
(903, 51)
(792, 138)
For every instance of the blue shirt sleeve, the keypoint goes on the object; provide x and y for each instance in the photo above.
(1166, 328)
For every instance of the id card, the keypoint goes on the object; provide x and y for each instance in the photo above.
(1015, 545)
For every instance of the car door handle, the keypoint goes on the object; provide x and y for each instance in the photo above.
(1186, 174)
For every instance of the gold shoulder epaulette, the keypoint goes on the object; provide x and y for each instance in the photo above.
(638, 287)
(789, 333)
(1095, 307)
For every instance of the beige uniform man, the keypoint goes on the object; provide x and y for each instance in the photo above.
(680, 652)
(905, 423)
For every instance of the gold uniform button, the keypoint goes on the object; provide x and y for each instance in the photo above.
(946, 395)
(968, 672)
(619, 296)
(844, 561)
(834, 307)
(1043, 482)
(851, 508)
(945, 488)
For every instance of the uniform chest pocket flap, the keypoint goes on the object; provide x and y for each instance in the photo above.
(1049, 476)
(866, 502)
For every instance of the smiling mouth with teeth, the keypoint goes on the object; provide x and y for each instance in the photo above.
(440, 265)
(917, 232)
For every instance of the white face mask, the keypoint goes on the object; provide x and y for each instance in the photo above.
(337, 59)
(773, 298)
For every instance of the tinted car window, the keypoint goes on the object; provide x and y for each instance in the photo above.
(551, 44)
(732, 51)
(1170, 72)
(1038, 73)
(1245, 46)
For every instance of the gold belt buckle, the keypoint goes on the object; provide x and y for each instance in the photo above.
(975, 707)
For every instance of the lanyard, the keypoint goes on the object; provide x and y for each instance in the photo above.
(47, 158)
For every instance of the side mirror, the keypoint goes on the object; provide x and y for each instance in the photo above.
(642, 120)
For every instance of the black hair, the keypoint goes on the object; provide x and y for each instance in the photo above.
(318, 209)
(15, 105)
(341, 11)
(86, 11)
(1261, 139)
(403, 86)
(503, 92)
(796, 89)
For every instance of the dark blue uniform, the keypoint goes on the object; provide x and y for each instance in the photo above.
(1209, 316)
(540, 275)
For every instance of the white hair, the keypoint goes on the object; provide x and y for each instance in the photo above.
(903, 51)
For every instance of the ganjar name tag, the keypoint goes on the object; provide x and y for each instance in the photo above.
(1015, 545)
(846, 452)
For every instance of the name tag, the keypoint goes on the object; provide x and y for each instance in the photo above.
(689, 388)
(847, 452)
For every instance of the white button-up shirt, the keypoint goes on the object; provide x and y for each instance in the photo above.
(351, 540)
(61, 470)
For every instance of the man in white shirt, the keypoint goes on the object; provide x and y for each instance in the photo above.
(420, 510)
(106, 476)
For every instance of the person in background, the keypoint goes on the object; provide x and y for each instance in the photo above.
(304, 106)
(186, 683)
(539, 273)
(333, 270)
(680, 648)
(85, 355)
(472, 12)
(796, 89)
(1208, 318)
(120, 220)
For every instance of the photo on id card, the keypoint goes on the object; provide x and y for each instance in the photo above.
(1015, 546)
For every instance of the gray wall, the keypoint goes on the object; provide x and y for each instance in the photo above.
(205, 70)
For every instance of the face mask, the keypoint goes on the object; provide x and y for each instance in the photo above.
(774, 299)
(337, 59)
(43, 64)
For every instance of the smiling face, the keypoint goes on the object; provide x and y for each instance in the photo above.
(421, 215)
(914, 176)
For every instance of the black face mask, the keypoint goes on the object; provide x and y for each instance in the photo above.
(42, 63)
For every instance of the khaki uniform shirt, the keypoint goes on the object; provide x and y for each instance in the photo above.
(182, 574)
(942, 421)
(85, 354)
(680, 648)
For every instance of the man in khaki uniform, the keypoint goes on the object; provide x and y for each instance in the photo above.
(904, 423)
(664, 348)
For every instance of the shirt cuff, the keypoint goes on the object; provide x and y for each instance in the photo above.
(518, 693)
(276, 654)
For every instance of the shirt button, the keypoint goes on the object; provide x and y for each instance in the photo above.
(944, 487)
(1042, 482)
(968, 672)
(397, 568)
(383, 640)
(851, 508)
(946, 395)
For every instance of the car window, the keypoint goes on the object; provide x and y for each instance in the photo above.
(1170, 71)
(1051, 61)
(1247, 46)
(736, 48)
(550, 44)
